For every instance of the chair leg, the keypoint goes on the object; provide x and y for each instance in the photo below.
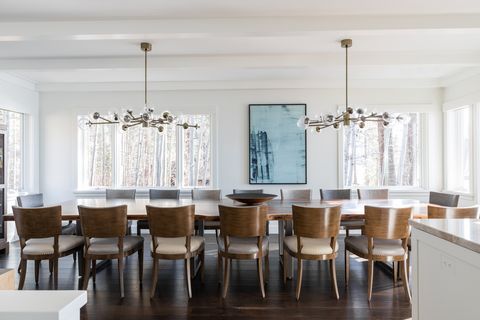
(267, 267)
(408, 265)
(226, 276)
(120, 277)
(202, 267)
(19, 269)
(55, 273)
(86, 273)
(140, 265)
(219, 267)
(139, 231)
(284, 267)
(188, 275)
(23, 273)
(74, 255)
(50, 266)
(154, 277)
(333, 276)
(370, 279)
(94, 271)
(406, 285)
(347, 268)
(37, 271)
(347, 232)
(260, 276)
(395, 273)
(299, 277)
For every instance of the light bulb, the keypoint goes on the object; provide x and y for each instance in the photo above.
(303, 122)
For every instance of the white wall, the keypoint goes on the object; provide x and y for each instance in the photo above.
(58, 129)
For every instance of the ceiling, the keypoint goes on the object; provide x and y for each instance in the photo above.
(61, 44)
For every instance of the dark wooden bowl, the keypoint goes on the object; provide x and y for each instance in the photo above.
(251, 198)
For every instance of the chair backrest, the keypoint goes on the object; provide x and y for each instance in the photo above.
(171, 222)
(42, 222)
(437, 212)
(120, 193)
(320, 222)
(387, 223)
(444, 199)
(30, 200)
(335, 194)
(206, 194)
(296, 194)
(164, 194)
(236, 191)
(107, 222)
(372, 194)
(242, 221)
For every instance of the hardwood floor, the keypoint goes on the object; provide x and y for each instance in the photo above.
(244, 298)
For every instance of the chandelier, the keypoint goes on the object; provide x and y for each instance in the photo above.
(146, 119)
(350, 116)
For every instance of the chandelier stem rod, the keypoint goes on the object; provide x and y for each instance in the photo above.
(145, 78)
(346, 77)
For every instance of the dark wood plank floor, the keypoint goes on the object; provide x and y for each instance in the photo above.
(243, 301)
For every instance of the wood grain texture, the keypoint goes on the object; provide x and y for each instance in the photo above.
(438, 212)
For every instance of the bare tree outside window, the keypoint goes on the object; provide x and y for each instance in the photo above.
(382, 156)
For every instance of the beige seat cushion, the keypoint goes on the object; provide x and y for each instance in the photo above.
(381, 247)
(242, 245)
(310, 245)
(177, 245)
(110, 245)
(45, 245)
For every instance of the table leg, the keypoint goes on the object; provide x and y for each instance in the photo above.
(200, 226)
(285, 228)
(80, 259)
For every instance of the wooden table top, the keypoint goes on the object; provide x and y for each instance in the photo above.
(208, 209)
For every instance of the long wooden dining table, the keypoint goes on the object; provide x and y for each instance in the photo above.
(207, 210)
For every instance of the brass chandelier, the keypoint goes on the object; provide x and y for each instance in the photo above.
(350, 116)
(146, 119)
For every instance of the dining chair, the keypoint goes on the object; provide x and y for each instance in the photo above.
(237, 191)
(242, 236)
(335, 194)
(296, 194)
(208, 194)
(157, 194)
(39, 230)
(316, 231)
(385, 239)
(104, 232)
(125, 194)
(438, 212)
(444, 199)
(172, 232)
(372, 194)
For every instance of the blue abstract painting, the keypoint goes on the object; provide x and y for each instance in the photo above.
(277, 148)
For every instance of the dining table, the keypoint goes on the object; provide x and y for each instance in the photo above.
(207, 210)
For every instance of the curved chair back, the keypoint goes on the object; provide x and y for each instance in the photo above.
(206, 194)
(120, 193)
(171, 222)
(372, 194)
(320, 222)
(30, 200)
(296, 194)
(107, 222)
(164, 194)
(387, 223)
(444, 199)
(42, 222)
(335, 194)
(436, 212)
(236, 191)
(242, 221)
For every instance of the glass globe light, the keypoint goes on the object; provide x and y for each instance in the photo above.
(160, 129)
(317, 129)
(361, 125)
(84, 123)
(303, 122)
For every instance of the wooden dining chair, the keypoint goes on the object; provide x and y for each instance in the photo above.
(237, 191)
(242, 236)
(296, 194)
(385, 239)
(342, 194)
(157, 194)
(104, 232)
(316, 231)
(372, 194)
(444, 199)
(438, 212)
(208, 194)
(172, 232)
(39, 230)
(125, 194)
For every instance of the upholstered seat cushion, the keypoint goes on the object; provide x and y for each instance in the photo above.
(177, 245)
(44, 246)
(69, 229)
(110, 245)
(310, 245)
(381, 247)
(242, 245)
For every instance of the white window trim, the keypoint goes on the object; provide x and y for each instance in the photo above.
(423, 160)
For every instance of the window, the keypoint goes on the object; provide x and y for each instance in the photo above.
(13, 123)
(382, 156)
(458, 138)
(141, 157)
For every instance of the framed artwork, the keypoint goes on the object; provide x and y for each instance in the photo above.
(277, 147)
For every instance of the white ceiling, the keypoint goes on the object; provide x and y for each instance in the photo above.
(396, 43)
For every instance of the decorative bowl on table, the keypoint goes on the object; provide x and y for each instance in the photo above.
(251, 198)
